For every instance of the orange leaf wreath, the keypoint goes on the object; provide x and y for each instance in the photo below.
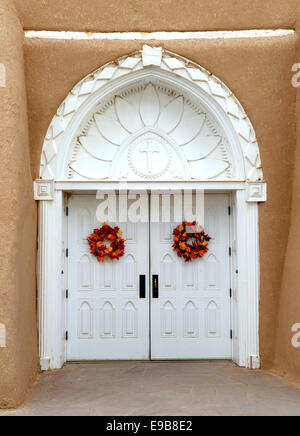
(102, 251)
(190, 245)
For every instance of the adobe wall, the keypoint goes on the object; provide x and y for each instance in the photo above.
(287, 358)
(156, 15)
(18, 361)
(257, 70)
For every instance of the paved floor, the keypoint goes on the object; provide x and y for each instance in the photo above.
(160, 388)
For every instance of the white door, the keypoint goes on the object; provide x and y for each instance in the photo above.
(107, 319)
(191, 317)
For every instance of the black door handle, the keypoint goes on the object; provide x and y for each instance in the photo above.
(155, 287)
(142, 286)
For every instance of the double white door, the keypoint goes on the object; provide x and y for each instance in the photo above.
(150, 304)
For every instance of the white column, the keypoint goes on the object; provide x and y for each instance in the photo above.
(253, 285)
(241, 279)
(51, 294)
(248, 279)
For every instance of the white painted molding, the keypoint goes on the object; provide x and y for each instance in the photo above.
(256, 192)
(92, 186)
(159, 36)
(43, 190)
(248, 283)
(50, 283)
(178, 70)
(253, 285)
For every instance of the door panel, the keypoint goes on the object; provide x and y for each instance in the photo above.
(191, 317)
(106, 317)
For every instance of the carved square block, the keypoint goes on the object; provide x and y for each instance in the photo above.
(44, 190)
(256, 192)
(152, 55)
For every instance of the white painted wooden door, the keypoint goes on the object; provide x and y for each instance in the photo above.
(191, 317)
(107, 319)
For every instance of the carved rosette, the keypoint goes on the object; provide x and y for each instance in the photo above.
(150, 132)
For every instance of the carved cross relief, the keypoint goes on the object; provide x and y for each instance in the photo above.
(150, 149)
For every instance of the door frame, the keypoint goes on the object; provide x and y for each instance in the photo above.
(52, 263)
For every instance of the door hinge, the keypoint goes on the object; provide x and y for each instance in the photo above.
(230, 292)
(230, 251)
(67, 252)
(229, 210)
(67, 211)
(231, 334)
(67, 336)
(67, 293)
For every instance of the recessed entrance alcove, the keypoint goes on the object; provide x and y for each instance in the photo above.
(152, 120)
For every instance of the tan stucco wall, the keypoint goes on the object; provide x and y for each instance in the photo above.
(257, 70)
(287, 358)
(156, 15)
(18, 361)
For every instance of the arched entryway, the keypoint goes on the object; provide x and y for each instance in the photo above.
(152, 120)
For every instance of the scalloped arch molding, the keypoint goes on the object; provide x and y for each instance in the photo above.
(239, 147)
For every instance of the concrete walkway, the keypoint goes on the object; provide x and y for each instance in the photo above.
(160, 388)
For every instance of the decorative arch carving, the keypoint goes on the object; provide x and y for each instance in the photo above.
(182, 119)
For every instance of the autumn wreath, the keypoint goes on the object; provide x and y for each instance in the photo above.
(190, 241)
(102, 251)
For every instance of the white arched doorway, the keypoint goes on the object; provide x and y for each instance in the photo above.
(152, 120)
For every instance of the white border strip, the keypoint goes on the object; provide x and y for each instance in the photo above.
(45, 34)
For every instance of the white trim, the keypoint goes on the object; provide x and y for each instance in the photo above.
(127, 36)
(50, 283)
(247, 280)
(253, 286)
(107, 186)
